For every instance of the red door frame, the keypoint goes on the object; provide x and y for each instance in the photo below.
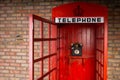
(82, 9)
(105, 47)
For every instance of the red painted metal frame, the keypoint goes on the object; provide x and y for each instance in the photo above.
(31, 48)
(105, 46)
(41, 40)
(89, 10)
(100, 52)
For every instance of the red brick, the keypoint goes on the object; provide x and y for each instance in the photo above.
(28, 7)
(9, 75)
(20, 61)
(22, 11)
(4, 71)
(2, 53)
(5, 57)
(11, 18)
(15, 64)
(9, 11)
(16, 57)
(5, 8)
(2, 19)
(2, 4)
(17, 1)
(10, 61)
(33, 11)
(21, 68)
(11, 53)
(14, 72)
(21, 54)
(10, 68)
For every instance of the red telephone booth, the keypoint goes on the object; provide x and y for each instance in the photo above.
(77, 43)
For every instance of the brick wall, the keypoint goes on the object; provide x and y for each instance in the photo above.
(14, 35)
(114, 42)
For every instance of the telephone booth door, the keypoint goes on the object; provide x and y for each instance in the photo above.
(82, 39)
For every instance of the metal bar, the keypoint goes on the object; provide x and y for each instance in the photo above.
(44, 39)
(42, 19)
(99, 49)
(49, 45)
(96, 52)
(58, 52)
(39, 59)
(56, 59)
(31, 48)
(41, 78)
(105, 47)
(41, 48)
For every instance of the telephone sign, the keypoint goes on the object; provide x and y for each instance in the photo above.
(79, 20)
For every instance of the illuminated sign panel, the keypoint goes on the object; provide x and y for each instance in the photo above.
(79, 20)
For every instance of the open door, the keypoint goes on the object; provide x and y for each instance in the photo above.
(42, 49)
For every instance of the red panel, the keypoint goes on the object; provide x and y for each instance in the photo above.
(85, 9)
(75, 68)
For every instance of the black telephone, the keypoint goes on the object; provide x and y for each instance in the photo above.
(76, 49)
